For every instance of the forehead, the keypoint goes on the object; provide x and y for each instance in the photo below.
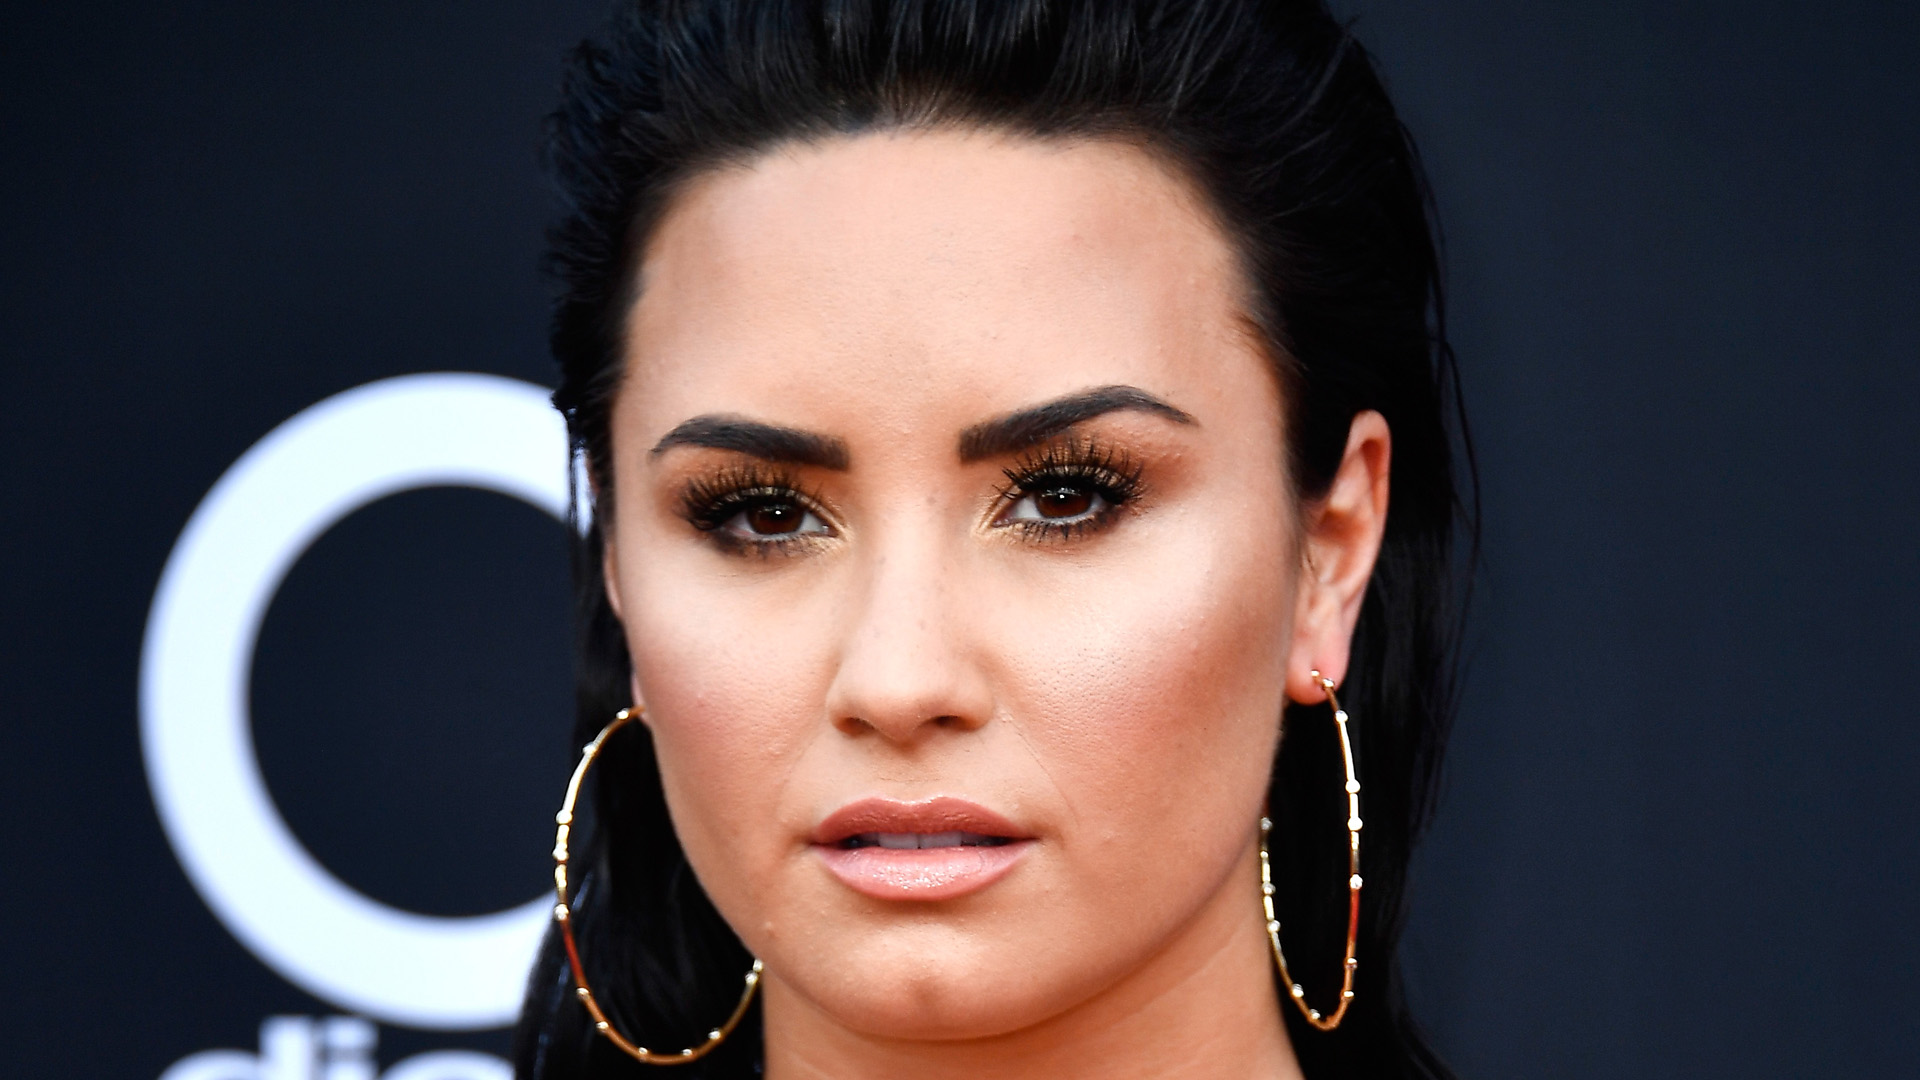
(949, 273)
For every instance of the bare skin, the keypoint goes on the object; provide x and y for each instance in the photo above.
(1091, 636)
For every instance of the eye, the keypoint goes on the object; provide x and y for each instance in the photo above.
(1068, 489)
(773, 516)
(750, 509)
(1060, 503)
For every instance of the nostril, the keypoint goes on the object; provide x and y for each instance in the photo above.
(905, 727)
(852, 725)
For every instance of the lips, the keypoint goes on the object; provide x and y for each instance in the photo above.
(939, 849)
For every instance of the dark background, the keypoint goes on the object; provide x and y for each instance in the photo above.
(1677, 838)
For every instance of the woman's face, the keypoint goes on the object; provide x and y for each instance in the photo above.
(961, 569)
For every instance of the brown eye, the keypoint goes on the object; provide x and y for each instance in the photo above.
(1060, 503)
(774, 518)
(746, 509)
(1063, 502)
(1067, 491)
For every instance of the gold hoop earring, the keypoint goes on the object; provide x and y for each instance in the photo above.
(563, 914)
(1299, 995)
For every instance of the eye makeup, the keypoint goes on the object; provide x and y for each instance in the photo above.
(1068, 488)
(753, 508)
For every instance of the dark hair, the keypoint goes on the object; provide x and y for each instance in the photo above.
(1276, 114)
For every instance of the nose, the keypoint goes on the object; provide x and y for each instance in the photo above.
(908, 665)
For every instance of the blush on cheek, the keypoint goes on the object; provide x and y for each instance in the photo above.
(1157, 706)
(729, 713)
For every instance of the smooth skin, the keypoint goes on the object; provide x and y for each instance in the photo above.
(901, 628)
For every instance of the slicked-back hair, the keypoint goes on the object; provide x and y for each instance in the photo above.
(1277, 117)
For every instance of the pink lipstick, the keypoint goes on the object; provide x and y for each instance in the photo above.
(938, 849)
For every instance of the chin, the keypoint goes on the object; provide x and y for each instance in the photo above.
(948, 985)
(934, 1007)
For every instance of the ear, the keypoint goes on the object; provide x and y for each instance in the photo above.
(610, 580)
(1341, 537)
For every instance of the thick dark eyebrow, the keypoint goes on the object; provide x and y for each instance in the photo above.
(1018, 430)
(766, 441)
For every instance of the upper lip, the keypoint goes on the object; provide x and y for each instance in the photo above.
(937, 815)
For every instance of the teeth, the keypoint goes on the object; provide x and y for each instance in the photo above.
(909, 841)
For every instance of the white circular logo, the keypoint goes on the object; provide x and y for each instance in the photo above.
(335, 457)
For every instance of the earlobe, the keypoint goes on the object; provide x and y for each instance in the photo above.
(1303, 682)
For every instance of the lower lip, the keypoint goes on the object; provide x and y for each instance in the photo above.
(922, 873)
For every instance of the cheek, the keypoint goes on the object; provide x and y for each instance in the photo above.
(1153, 695)
(733, 683)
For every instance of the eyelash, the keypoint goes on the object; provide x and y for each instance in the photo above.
(1084, 465)
(711, 503)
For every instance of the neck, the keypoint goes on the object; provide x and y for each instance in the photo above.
(1201, 1008)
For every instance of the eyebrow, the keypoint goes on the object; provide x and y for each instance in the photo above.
(1019, 430)
(769, 442)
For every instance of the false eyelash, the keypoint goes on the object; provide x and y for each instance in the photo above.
(1110, 472)
(708, 503)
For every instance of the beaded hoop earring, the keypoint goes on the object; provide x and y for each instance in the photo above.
(1299, 995)
(563, 914)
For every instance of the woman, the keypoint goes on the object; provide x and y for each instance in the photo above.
(993, 410)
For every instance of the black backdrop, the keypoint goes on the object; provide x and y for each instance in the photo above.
(1678, 832)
